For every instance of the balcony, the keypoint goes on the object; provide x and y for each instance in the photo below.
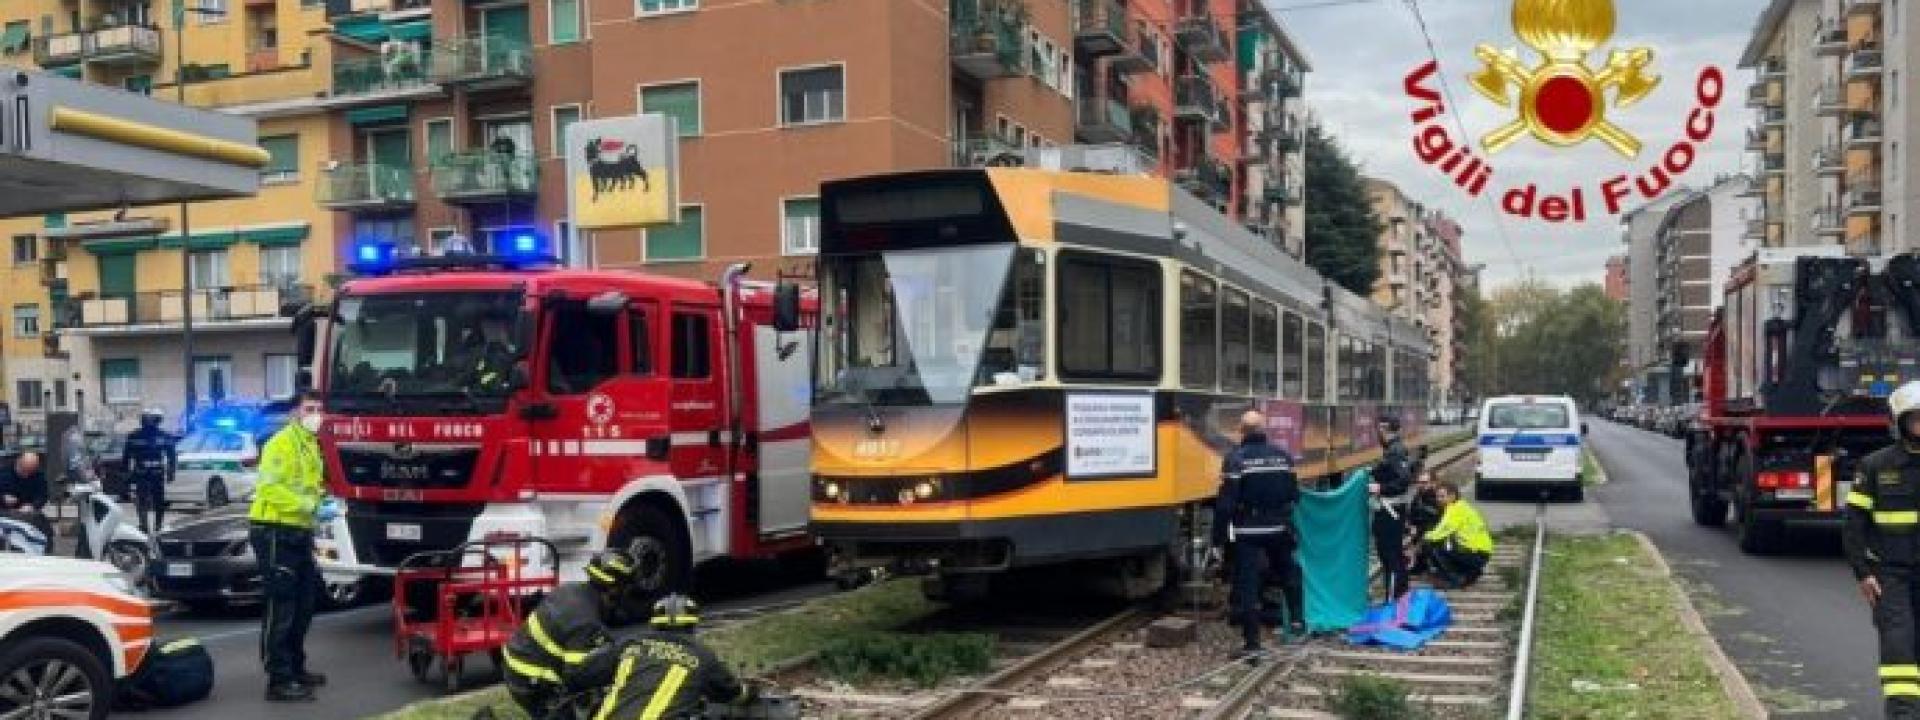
(1758, 93)
(1756, 229)
(1773, 163)
(1828, 221)
(1756, 140)
(1830, 38)
(1201, 35)
(1101, 28)
(1278, 193)
(1150, 58)
(1100, 119)
(57, 50)
(988, 38)
(482, 63)
(1863, 132)
(365, 187)
(1207, 178)
(1861, 7)
(988, 151)
(1195, 100)
(213, 309)
(339, 8)
(1773, 116)
(1863, 194)
(1773, 68)
(262, 58)
(1866, 61)
(1146, 130)
(126, 45)
(481, 176)
(1829, 160)
(379, 79)
(1829, 101)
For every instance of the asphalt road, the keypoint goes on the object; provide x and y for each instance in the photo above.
(354, 648)
(1794, 623)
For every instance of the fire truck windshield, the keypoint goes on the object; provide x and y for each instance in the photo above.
(434, 353)
(908, 327)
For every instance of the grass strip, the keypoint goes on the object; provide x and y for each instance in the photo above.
(1590, 474)
(750, 648)
(1610, 642)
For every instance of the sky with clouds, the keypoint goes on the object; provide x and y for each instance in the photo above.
(1361, 50)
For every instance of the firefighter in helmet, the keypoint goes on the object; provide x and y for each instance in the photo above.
(1882, 515)
(663, 673)
(571, 622)
(149, 459)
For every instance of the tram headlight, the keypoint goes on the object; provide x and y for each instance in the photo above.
(830, 489)
(926, 489)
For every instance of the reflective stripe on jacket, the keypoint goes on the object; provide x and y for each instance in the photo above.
(292, 479)
(1463, 523)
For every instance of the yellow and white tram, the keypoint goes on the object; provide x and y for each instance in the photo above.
(1023, 367)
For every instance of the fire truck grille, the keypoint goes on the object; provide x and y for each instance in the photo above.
(385, 466)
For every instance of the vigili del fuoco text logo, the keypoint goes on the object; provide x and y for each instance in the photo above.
(1560, 100)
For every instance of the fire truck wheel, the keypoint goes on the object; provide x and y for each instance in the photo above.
(1755, 535)
(658, 548)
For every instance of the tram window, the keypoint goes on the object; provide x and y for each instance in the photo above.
(1235, 346)
(1346, 388)
(1016, 346)
(1199, 332)
(1316, 364)
(1292, 357)
(1109, 318)
(1266, 350)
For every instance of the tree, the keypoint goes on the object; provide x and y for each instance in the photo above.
(1343, 231)
(1532, 338)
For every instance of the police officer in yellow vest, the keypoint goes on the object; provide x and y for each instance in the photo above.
(288, 500)
(570, 623)
(1882, 513)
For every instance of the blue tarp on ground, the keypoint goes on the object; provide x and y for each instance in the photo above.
(1334, 542)
(1405, 625)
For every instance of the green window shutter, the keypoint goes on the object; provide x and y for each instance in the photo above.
(647, 6)
(116, 275)
(565, 16)
(681, 102)
(682, 241)
(283, 153)
(120, 368)
(142, 84)
(13, 40)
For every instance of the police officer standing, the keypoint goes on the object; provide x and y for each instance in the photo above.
(1392, 478)
(1882, 547)
(571, 622)
(149, 460)
(1254, 512)
(288, 501)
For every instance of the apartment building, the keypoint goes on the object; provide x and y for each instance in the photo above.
(1641, 230)
(1615, 282)
(1422, 272)
(1445, 324)
(96, 298)
(1273, 71)
(1827, 88)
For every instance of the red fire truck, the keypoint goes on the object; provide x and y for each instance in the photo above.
(473, 397)
(1798, 364)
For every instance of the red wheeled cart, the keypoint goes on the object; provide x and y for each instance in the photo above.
(466, 600)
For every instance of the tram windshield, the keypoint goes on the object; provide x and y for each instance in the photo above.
(911, 327)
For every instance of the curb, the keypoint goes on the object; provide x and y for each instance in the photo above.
(1600, 471)
(1732, 681)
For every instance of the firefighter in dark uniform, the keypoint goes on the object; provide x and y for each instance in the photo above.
(662, 674)
(1392, 479)
(1882, 514)
(149, 460)
(490, 357)
(571, 622)
(1254, 512)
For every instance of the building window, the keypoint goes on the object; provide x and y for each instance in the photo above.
(283, 159)
(680, 101)
(650, 7)
(280, 265)
(800, 226)
(30, 394)
(212, 11)
(120, 380)
(210, 269)
(26, 249)
(213, 378)
(142, 84)
(565, 16)
(18, 37)
(564, 116)
(813, 95)
(439, 138)
(280, 371)
(26, 321)
(685, 240)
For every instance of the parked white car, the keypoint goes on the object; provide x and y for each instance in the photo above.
(71, 628)
(215, 467)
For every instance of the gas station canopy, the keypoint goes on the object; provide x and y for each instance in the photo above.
(68, 146)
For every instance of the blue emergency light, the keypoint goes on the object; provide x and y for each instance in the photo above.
(373, 256)
(525, 244)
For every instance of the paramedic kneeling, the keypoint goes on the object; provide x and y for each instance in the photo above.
(1456, 551)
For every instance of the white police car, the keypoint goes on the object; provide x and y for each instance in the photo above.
(216, 466)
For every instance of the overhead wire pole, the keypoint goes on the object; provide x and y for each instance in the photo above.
(180, 11)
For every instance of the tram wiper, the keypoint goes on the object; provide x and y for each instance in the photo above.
(875, 424)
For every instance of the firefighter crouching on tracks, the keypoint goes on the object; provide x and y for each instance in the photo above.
(1882, 514)
(1254, 511)
(662, 674)
(288, 501)
(149, 458)
(571, 622)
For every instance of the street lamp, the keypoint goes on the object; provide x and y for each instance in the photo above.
(180, 11)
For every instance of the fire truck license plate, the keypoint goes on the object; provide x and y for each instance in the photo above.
(403, 531)
(179, 570)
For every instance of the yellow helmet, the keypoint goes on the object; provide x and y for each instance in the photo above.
(1905, 399)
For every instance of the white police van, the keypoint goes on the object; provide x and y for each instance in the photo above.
(1529, 441)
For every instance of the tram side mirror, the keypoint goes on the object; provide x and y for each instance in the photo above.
(786, 307)
(519, 378)
(607, 303)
